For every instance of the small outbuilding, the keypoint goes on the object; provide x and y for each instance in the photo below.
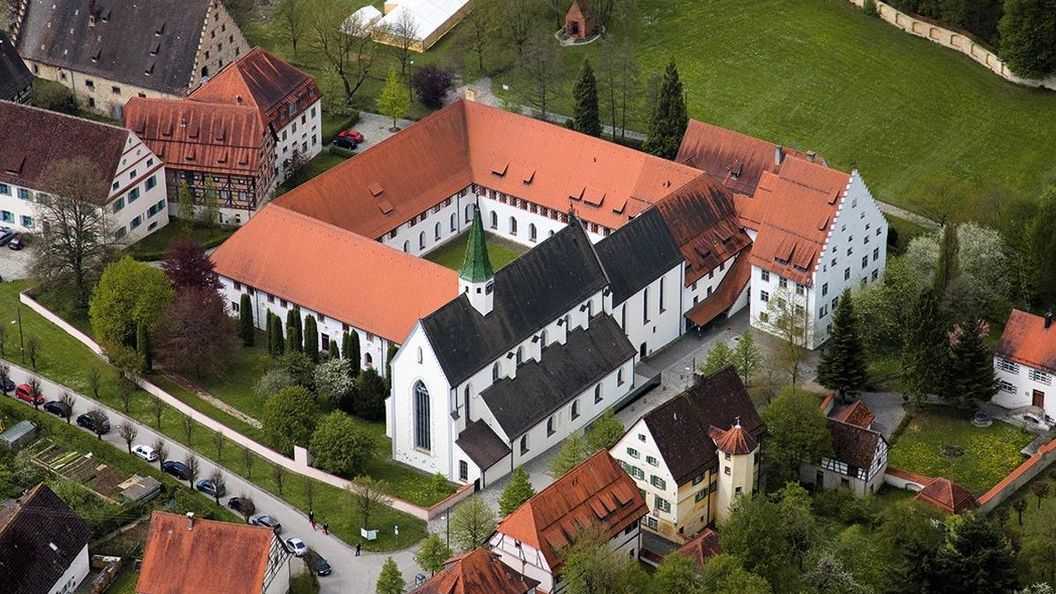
(18, 436)
(577, 23)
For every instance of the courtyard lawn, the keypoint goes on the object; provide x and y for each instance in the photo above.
(322, 162)
(500, 252)
(154, 246)
(941, 442)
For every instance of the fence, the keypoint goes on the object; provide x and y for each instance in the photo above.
(955, 40)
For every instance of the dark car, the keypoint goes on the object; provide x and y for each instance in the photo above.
(6, 235)
(345, 142)
(177, 469)
(266, 521)
(27, 393)
(318, 564)
(242, 505)
(94, 421)
(17, 242)
(210, 488)
(57, 408)
(8, 385)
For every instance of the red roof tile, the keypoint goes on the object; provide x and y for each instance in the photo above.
(947, 496)
(857, 414)
(729, 289)
(370, 286)
(210, 558)
(735, 440)
(597, 492)
(477, 572)
(701, 547)
(1026, 340)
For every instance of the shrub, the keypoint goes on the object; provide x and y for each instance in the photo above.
(53, 97)
(870, 8)
(431, 84)
(341, 446)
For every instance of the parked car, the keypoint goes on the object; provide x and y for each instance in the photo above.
(8, 385)
(6, 235)
(266, 521)
(345, 143)
(297, 547)
(318, 564)
(177, 469)
(210, 488)
(94, 421)
(1032, 421)
(355, 135)
(57, 408)
(146, 452)
(242, 505)
(26, 392)
(17, 242)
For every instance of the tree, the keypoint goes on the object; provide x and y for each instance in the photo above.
(842, 367)
(970, 366)
(756, 535)
(798, 434)
(719, 356)
(1040, 244)
(370, 396)
(278, 340)
(193, 468)
(300, 368)
(309, 492)
(350, 351)
(311, 339)
(471, 522)
(247, 507)
(1040, 490)
(128, 293)
(247, 459)
(669, 120)
(185, 204)
(516, 22)
(910, 538)
(517, 491)
(217, 478)
(590, 567)
(195, 335)
(32, 350)
(1020, 505)
(245, 320)
(332, 352)
(291, 16)
(128, 433)
(35, 390)
(278, 472)
(787, 317)
(333, 381)
(746, 357)
(157, 407)
(5, 376)
(801, 529)
(884, 309)
(1028, 37)
(619, 78)
(604, 433)
(432, 554)
(272, 382)
(289, 418)
(340, 445)
(586, 117)
(572, 453)
(96, 413)
(947, 267)
(403, 33)
(677, 573)
(218, 443)
(186, 265)
(925, 348)
(977, 558)
(293, 330)
(187, 424)
(479, 22)
(431, 84)
(725, 573)
(159, 448)
(75, 239)
(542, 67)
(126, 389)
(391, 580)
(344, 41)
(144, 348)
(367, 495)
(95, 379)
(68, 401)
(392, 101)
(829, 576)
(210, 212)
(1038, 553)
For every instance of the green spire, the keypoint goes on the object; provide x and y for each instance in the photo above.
(476, 268)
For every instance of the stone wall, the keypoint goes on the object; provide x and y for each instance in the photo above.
(1015, 480)
(955, 40)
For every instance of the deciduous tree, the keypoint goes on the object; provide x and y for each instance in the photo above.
(291, 16)
(1038, 553)
(589, 568)
(340, 445)
(604, 432)
(787, 316)
(344, 41)
(403, 33)
(367, 496)
(431, 84)
(432, 553)
(746, 357)
(619, 80)
(1028, 37)
(471, 523)
(289, 418)
(755, 534)
(393, 102)
(1040, 245)
(572, 453)
(542, 67)
(977, 559)
(333, 380)
(797, 433)
(128, 433)
(186, 265)
(391, 580)
(719, 356)
(128, 293)
(195, 335)
(193, 467)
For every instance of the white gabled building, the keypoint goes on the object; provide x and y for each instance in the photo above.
(132, 177)
(1025, 364)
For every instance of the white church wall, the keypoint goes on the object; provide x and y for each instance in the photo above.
(652, 317)
(409, 369)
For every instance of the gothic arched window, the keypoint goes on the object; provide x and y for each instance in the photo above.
(421, 416)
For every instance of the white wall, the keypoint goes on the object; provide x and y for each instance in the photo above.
(645, 322)
(408, 370)
(647, 449)
(1018, 383)
(419, 236)
(703, 287)
(74, 574)
(303, 134)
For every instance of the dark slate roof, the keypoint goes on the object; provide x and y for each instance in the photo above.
(481, 444)
(532, 291)
(30, 145)
(681, 425)
(637, 254)
(14, 76)
(129, 39)
(29, 564)
(541, 387)
(852, 444)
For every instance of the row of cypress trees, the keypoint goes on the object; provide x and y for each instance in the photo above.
(296, 335)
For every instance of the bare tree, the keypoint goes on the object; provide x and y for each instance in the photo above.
(344, 41)
(68, 401)
(217, 478)
(32, 350)
(157, 407)
(97, 415)
(95, 380)
(619, 80)
(309, 492)
(193, 468)
(5, 376)
(479, 23)
(367, 496)
(187, 424)
(3, 338)
(246, 507)
(786, 314)
(128, 432)
(34, 388)
(291, 15)
(160, 450)
(75, 240)
(278, 472)
(218, 442)
(126, 390)
(403, 34)
(517, 22)
(542, 64)
(247, 459)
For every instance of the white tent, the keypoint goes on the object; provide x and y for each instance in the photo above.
(426, 16)
(366, 17)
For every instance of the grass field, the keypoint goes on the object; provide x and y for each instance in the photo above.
(320, 164)
(988, 453)
(154, 246)
(451, 254)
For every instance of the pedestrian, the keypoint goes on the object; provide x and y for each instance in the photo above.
(359, 546)
(396, 531)
(326, 527)
(311, 519)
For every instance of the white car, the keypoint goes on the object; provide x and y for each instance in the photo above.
(297, 547)
(146, 452)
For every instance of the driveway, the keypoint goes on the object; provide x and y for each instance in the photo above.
(375, 128)
(351, 574)
(14, 264)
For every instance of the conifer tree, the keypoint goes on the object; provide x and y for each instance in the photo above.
(970, 368)
(391, 580)
(670, 118)
(586, 117)
(269, 332)
(352, 354)
(333, 350)
(948, 267)
(143, 347)
(924, 350)
(518, 491)
(293, 330)
(842, 367)
(311, 339)
(245, 320)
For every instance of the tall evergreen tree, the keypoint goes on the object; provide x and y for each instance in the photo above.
(517, 491)
(970, 368)
(333, 351)
(143, 347)
(280, 339)
(311, 338)
(586, 117)
(925, 347)
(948, 267)
(977, 559)
(670, 117)
(1040, 247)
(352, 354)
(293, 330)
(245, 320)
(842, 366)
(1028, 37)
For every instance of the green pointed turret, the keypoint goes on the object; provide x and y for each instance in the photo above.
(476, 267)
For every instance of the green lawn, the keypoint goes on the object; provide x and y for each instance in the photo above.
(318, 165)
(154, 246)
(500, 252)
(988, 453)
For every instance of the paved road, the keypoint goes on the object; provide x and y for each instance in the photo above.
(351, 575)
(14, 264)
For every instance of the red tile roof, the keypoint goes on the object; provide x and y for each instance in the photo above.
(210, 558)
(597, 492)
(857, 414)
(947, 496)
(1026, 340)
(477, 572)
(735, 440)
(370, 286)
(701, 547)
(729, 289)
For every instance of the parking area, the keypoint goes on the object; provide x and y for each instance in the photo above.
(14, 264)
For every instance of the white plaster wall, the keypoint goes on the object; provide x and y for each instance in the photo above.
(524, 559)
(301, 134)
(74, 574)
(645, 449)
(411, 238)
(702, 288)
(407, 371)
(659, 327)
(1024, 386)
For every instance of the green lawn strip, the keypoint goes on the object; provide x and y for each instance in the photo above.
(235, 385)
(202, 406)
(125, 582)
(321, 163)
(154, 246)
(304, 583)
(452, 253)
(989, 453)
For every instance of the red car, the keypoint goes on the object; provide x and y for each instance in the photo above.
(25, 392)
(350, 133)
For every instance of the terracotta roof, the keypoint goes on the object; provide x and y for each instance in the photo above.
(209, 137)
(735, 440)
(792, 212)
(15, 78)
(597, 492)
(701, 547)
(853, 445)
(210, 558)
(467, 142)
(1026, 340)
(723, 298)
(370, 286)
(857, 414)
(30, 145)
(261, 80)
(947, 496)
(39, 538)
(477, 572)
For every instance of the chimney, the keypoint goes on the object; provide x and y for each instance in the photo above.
(812, 156)
(779, 153)
(190, 520)
(1048, 319)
